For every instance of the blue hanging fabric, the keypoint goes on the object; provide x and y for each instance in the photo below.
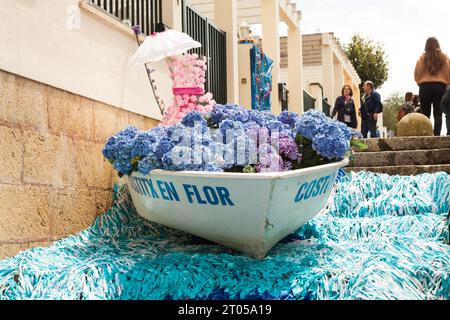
(261, 74)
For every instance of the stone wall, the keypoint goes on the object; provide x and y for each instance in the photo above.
(54, 180)
(312, 50)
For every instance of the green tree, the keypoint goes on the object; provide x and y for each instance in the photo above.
(392, 105)
(369, 60)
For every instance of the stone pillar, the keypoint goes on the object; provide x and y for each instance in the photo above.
(295, 70)
(226, 19)
(270, 10)
(328, 67)
(171, 11)
(338, 77)
(357, 98)
(245, 80)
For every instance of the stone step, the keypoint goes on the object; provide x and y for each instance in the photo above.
(398, 158)
(403, 170)
(406, 143)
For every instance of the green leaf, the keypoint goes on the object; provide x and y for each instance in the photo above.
(358, 144)
(249, 169)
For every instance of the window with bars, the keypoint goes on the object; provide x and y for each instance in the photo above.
(214, 48)
(145, 13)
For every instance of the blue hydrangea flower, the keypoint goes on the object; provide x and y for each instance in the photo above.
(331, 142)
(243, 137)
(143, 144)
(276, 126)
(108, 151)
(242, 116)
(179, 158)
(229, 126)
(261, 117)
(164, 146)
(349, 133)
(228, 111)
(288, 118)
(194, 118)
(309, 124)
(124, 167)
(148, 164)
(115, 143)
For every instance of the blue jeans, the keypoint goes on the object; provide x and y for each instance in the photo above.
(369, 125)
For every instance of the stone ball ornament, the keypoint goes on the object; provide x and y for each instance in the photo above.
(415, 125)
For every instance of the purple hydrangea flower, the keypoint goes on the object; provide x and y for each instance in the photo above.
(270, 162)
(137, 30)
(288, 148)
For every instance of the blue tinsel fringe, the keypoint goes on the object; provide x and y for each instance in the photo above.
(381, 237)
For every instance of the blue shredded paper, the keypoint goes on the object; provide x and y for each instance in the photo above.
(381, 237)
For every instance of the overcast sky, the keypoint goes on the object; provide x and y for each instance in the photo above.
(402, 26)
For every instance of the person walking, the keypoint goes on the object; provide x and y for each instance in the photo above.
(416, 103)
(432, 75)
(445, 107)
(371, 107)
(407, 107)
(345, 108)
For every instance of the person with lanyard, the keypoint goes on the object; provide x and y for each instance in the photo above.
(371, 107)
(345, 108)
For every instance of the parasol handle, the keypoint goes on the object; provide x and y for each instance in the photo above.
(159, 101)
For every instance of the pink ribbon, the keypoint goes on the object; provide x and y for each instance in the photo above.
(192, 91)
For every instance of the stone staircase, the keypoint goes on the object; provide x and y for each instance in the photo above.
(404, 156)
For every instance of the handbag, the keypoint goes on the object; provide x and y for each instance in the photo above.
(349, 107)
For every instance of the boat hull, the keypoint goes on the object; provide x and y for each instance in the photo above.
(247, 212)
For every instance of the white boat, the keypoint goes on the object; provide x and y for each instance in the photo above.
(250, 213)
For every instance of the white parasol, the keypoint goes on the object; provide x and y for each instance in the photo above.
(162, 45)
(157, 47)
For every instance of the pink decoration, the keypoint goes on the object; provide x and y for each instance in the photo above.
(188, 77)
(196, 91)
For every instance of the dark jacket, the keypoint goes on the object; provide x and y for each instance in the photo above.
(339, 108)
(370, 105)
(445, 103)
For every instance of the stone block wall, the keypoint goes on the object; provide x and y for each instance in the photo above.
(312, 50)
(54, 180)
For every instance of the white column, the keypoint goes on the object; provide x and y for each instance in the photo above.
(295, 70)
(338, 77)
(270, 10)
(171, 11)
(226, 19)
(328, 68)
(245, 78)
(357, 98)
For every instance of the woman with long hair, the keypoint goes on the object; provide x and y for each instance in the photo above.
(432, 74)
(345, 108)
